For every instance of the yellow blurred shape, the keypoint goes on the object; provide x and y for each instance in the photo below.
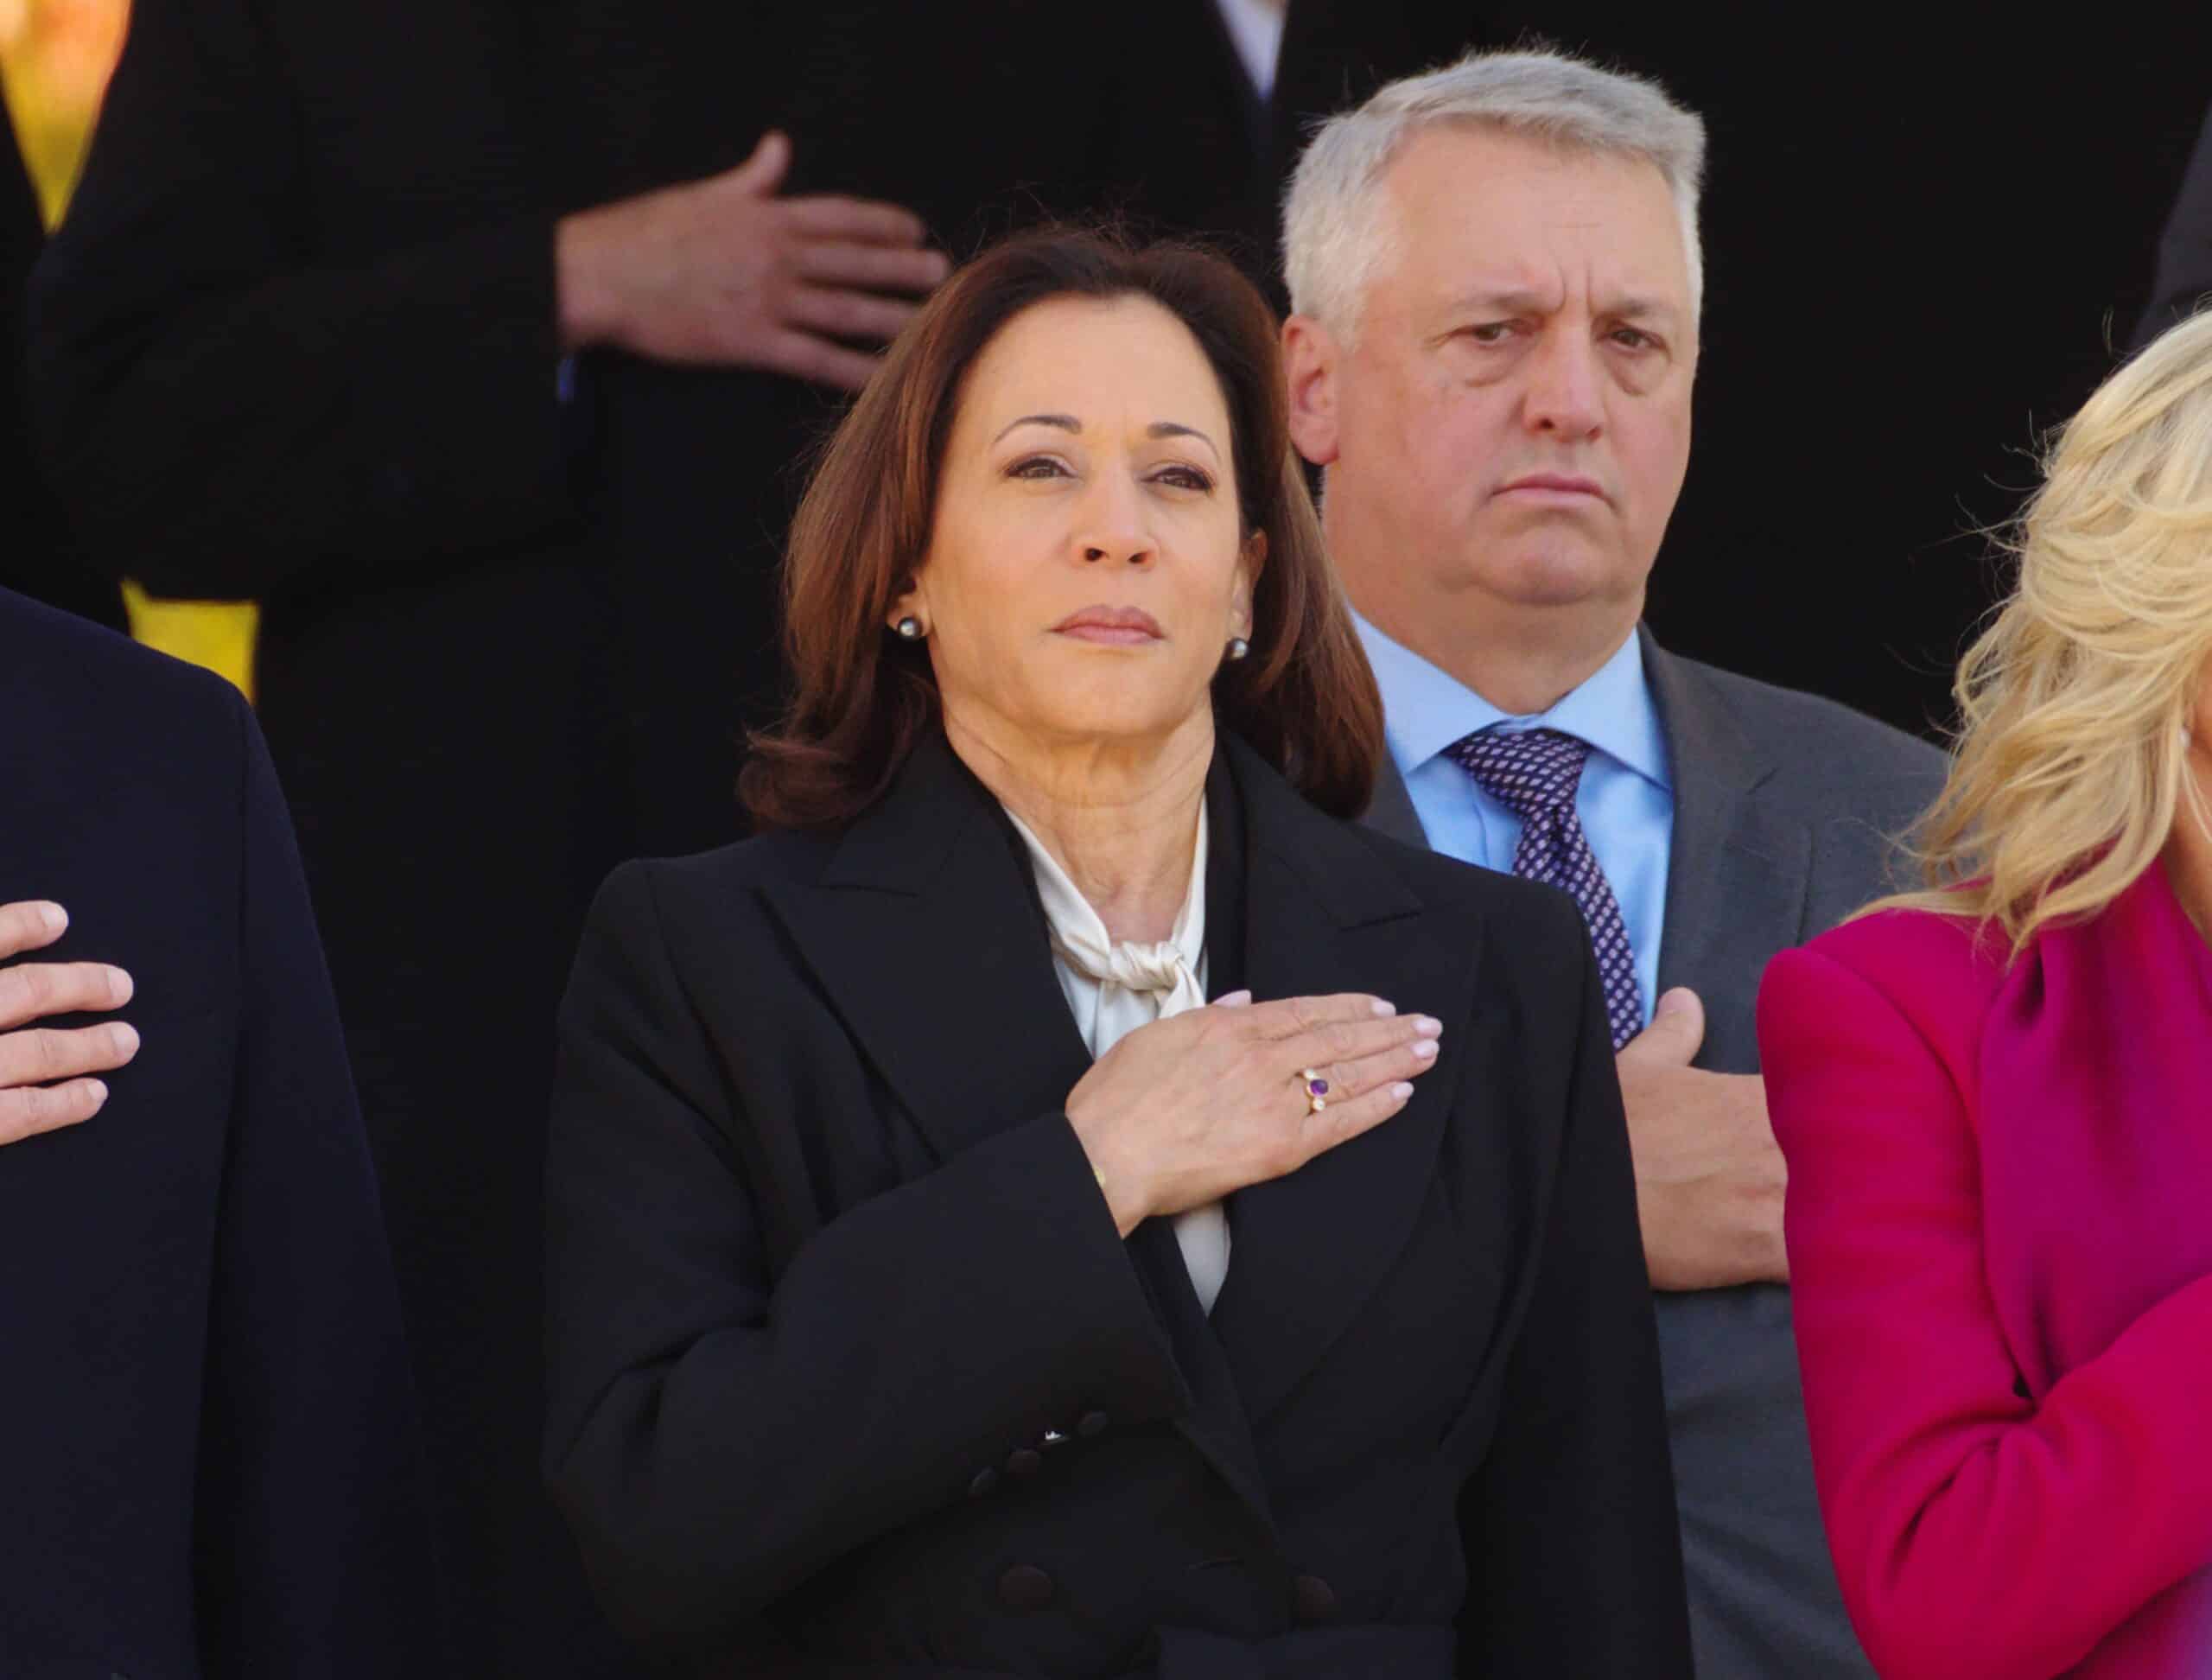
(54, 60)
(215, 633)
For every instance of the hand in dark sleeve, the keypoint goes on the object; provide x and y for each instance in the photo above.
(312, 1530)
(228, 405)
(720, 1433)
(1573, 1552)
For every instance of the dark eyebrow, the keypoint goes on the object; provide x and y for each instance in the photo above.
(1172, 429)
(1066, 422)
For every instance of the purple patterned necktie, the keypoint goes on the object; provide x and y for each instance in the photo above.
(1534, 773)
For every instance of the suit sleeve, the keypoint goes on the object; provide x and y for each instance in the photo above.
(720, 1432)
(1976, 1533)
(311, 1527)
(227, 412)
(1573, 1549)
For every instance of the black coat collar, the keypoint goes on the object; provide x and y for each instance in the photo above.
(925, 931)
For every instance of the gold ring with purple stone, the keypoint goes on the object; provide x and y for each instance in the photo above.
(1316, 1089)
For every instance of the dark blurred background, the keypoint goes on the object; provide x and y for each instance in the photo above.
(1923, 248)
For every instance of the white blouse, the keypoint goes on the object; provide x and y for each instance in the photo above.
(1114, 988)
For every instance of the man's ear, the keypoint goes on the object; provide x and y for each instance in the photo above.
(1310, 356)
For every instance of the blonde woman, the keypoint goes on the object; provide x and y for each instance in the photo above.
(1995, 1098)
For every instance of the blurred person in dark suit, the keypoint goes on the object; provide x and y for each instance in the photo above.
(36, 557)
(696, 473)
(476, 340)
(297, 340)
(213, 1466)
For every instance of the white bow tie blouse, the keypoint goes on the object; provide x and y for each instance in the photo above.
(1114, 988)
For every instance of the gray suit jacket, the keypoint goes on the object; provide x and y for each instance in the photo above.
(1785, 810)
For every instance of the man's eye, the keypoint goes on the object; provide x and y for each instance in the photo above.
(1036, 467)
(1490, 332)
(1184, 478)
(1632, 337)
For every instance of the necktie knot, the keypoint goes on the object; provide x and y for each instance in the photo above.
(1535, 774)
(1532, 773)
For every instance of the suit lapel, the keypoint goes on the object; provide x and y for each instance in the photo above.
(1323, 914)
(1391, 809)
(1214, 1419)
(924, 929)
(1738, 870)
(925, 932)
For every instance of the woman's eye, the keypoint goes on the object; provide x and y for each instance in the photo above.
(1184, 478)
(1036, 467)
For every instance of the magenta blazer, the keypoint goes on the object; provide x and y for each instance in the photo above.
(2000, 1225)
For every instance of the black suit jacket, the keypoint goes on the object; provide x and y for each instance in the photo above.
(1786, 806)
(213, 1467)
(37, 559)
(849, 1362)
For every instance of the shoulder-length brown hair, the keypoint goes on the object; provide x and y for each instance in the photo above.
(862, 699)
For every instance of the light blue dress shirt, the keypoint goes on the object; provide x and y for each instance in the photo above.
(1626, 800)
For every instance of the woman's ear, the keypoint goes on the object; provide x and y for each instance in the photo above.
(909, 603)
(1249, 564)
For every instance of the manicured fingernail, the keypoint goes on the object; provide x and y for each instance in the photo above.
(120, 986)
(1425, 1049)
(1385, 1006)
(1236, 999)
(52, 918)
(123, 1039)
(1402, 1090)
(1429, 1027)
(100, 1094)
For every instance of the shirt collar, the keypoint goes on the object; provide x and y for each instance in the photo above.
(1425, 709)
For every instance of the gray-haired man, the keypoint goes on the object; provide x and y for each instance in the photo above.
(1496, 275)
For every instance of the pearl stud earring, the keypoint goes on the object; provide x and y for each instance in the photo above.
(1238, 647)
(910, 629)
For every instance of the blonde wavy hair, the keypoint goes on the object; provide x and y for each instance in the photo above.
(2070, 764)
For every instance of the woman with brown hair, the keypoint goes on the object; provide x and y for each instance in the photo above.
(941, 1284)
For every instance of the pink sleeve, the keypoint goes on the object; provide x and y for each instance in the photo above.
(1974, 1532)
